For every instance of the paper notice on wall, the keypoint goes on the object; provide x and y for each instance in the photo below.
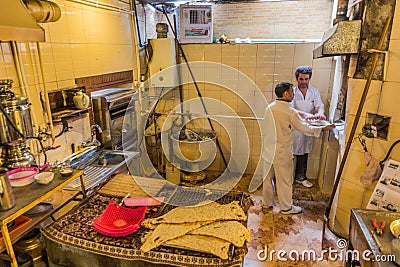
(386, 195)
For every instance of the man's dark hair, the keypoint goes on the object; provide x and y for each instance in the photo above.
(281, 88)
(303, 70)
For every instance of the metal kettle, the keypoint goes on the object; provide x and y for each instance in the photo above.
(7, 200)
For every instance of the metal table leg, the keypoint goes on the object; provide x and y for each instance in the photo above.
(83, 188)
(8, 244)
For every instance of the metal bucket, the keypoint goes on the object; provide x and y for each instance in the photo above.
(195, 152)
(33, 245)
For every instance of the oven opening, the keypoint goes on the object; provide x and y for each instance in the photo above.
(121, 111)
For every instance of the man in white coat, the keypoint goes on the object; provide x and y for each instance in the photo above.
(279, 121)
(307, 101)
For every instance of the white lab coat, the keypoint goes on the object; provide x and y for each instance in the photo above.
(279, 121)
(302, 144)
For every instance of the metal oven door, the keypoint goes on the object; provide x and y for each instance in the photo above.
(123, 126)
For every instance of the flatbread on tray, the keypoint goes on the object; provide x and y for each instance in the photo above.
(231, 231)
(207, 244)
(165, 232)
(209, 212)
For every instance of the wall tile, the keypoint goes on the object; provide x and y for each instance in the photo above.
(58, 30)
(350, 196)
(284, 56)
(265, 78)
(213, 75)
(283, 75)
(74, 18)
(354, 167)
(321, 79)
(395, 31)
(392, 74)
(323, 63)
(213, 52)
(367, 194)
(349, 120)
(66, 83)
(388, 102)
(194, 52)
(230, 55)
(356, 88)
(342, 220)
(303, 55)
(249, 72)
(266, 50)
(380, 147)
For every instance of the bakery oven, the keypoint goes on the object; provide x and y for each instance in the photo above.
(114, 112)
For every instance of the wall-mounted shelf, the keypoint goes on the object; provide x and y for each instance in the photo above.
(66, 114)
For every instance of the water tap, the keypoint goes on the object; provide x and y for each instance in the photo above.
(93, 141)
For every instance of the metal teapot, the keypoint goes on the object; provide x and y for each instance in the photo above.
(7, 200)
(81, 100)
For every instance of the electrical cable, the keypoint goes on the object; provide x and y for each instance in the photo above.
(137, 25)
(196, 86)
(64, 129)
(389, 151)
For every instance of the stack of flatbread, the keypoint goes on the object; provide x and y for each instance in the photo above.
(209, 228)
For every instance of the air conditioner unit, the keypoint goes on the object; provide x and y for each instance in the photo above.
(195, 24)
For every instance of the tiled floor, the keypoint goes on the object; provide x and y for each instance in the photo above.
(293, 234)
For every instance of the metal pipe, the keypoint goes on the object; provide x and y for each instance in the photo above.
(45, 94)
(23, 84)
(135, 44)
(101, 5)
(21, 76)
(210, 116)
(354, 126)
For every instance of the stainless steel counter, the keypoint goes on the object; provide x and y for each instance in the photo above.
(96, 173)
(362, 241)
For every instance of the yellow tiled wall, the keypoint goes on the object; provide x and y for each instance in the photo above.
(86, 41)
(382, 98)
(90, 41)
(264, 65)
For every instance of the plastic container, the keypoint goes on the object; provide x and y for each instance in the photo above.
(22, 176)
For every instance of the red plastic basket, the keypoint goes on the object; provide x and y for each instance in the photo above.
(119, 221)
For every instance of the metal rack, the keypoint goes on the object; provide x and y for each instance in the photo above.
(27, 198)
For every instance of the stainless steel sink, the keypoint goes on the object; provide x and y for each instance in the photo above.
(109, 158)
(102, 166)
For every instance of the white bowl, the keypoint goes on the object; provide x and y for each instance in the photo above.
(44, 177)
